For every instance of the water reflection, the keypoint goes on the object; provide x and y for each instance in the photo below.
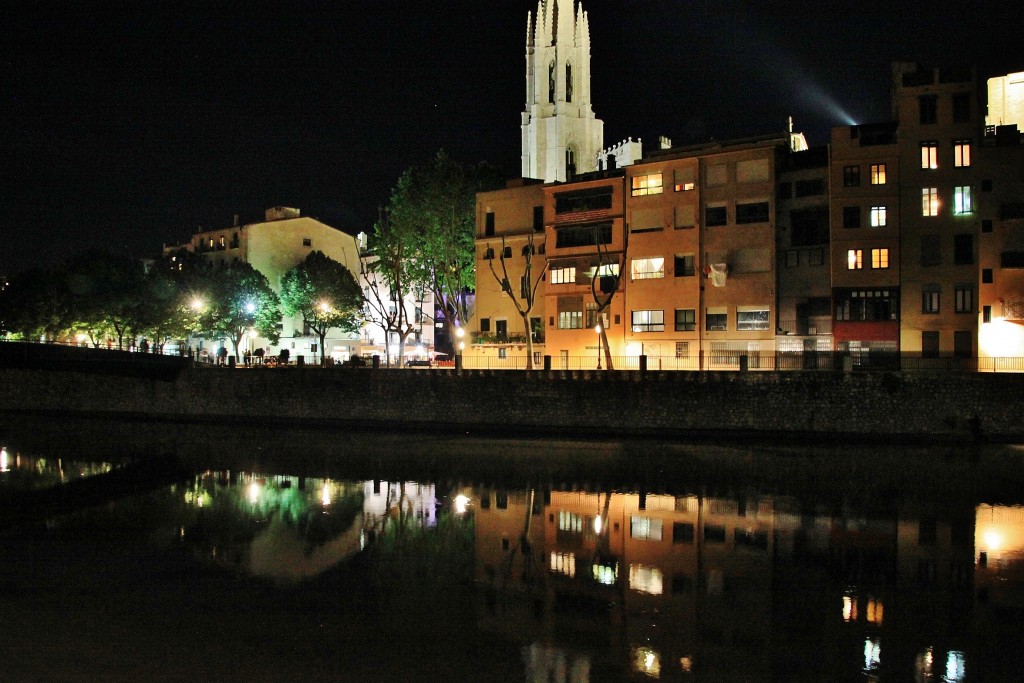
(707, 578)
(24, 471)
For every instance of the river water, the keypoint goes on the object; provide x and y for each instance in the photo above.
(318, 555)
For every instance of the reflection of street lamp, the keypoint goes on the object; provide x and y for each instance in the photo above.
(597, 329)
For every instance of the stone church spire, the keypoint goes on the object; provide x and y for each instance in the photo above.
(561, 135)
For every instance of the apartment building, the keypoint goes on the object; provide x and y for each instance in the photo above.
(865, 214)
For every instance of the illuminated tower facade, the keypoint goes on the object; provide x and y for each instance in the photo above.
(561, 135)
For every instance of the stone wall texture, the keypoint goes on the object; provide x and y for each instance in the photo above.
(866, 406)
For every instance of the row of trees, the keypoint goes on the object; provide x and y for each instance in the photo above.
(115, 300)
(422, 242)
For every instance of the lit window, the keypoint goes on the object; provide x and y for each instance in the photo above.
(646, 184)
(645, 528)
(878, 174)
(752, 319)
(570, 521)
(644, 579)
(570, 320)
(963, 298)
(961, 153)
(563, 563)
(648, 321)
(879, 258)
(878, 216)
(962, 200)
(854, 259)
(930, 154)
(648, 268)
(929, 201)
(930, 298)
(683, 179)
(563, 276)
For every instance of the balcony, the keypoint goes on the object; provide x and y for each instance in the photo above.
(1013, 310)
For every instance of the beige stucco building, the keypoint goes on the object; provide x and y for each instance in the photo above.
(275, 245)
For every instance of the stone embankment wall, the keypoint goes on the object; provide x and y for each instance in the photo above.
(877, 407)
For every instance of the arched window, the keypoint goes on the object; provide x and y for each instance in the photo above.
(551, 82)
(568, 82)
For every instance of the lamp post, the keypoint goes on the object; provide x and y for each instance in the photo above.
(597, 329)
(459, 333)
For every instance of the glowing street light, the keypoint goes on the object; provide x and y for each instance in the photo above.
(250, 307)
(460, 333)
(597, 328)
(325, 307)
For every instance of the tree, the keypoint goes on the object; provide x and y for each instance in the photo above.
(324, 293)
(527, 295)
(385, 270)
(432, 209)
(34, 304)
(603, 286)
(107, 294)
(240, 299)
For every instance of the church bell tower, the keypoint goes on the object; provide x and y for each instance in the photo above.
(561, 135)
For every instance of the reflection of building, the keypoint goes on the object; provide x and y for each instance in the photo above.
(273, 247)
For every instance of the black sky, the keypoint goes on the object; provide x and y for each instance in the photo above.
(124, 125)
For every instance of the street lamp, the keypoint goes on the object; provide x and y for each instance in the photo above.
(597, 328)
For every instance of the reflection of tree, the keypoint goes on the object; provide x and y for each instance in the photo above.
(411, 561)
(272, 528)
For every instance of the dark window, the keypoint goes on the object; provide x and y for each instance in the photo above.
(501, 331)
(1012, 259)
(488, 254)
(682, 532)
(684, 265)
(716, 321)
(963, 346)
(686, 320)
(808, 227)
(851, 176)
(810, 188)
(752, 213)
(928, 105)
(584, 200)
(307, 242)
(538, 219)
(930, 344)
(986, 225)
(963, 298)
(584, 235)
(986, 185)
(986, 314)
(489, 224)
(714, 533)
(986, 276)
(785, 191)
(715, 215)
(931, 254)
(851, 216)
(506, 252)
(963, 249)
(485, 324)
(961, 107)
(927, 529)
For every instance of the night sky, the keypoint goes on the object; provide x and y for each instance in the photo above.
(125, 125)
